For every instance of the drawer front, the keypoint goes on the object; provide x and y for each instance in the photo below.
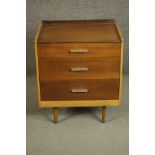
(79, 90)
(79, 50)
(83, 68)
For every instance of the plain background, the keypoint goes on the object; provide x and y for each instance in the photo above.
(38, 10)
(79, 128)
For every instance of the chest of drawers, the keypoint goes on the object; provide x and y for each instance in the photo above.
(79, 64)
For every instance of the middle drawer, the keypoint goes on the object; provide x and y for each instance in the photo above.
(90, 68)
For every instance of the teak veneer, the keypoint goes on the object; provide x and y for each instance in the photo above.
(79, 64)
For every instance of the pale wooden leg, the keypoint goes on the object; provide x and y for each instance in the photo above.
(103, 114)
(55, 113)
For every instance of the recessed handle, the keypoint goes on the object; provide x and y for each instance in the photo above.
(79, 69)
(81, 90)
(79, 51)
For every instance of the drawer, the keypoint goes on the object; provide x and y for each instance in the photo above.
(79, 90)
(82, 68)
(71, 50)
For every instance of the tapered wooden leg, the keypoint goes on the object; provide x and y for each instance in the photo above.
(104, 114)
(55, 114)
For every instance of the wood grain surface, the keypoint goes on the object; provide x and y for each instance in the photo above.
(78, 31)
(100, 68)
(94, 50)
(97, 89)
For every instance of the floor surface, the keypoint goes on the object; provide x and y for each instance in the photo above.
(79, 131)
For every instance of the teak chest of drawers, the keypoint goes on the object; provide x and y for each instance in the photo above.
(79, 64)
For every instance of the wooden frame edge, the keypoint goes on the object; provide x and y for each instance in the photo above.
(112, 20)
(37, 67)
(121, 62)
(86, 103)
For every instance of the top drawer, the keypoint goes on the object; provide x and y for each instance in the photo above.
(79, 50)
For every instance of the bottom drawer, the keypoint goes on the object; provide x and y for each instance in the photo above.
(56, 90)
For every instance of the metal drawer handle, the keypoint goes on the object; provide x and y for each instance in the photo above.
(79, 51)
(79, 69)
(79, 90)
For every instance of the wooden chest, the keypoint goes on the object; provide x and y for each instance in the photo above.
(79, 64)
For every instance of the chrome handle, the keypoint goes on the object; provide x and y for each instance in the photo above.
(79, 69)
(79, 51)
(79, 90)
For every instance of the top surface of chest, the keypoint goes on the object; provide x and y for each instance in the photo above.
(88, 31)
